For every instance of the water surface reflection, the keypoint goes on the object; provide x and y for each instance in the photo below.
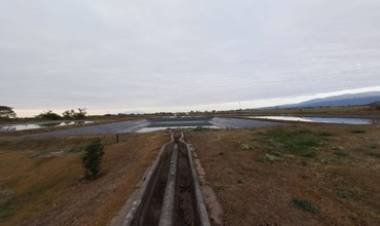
(40, 125)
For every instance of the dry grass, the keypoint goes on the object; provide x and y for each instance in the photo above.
(41, 183)
(296, 175)
(361, 110)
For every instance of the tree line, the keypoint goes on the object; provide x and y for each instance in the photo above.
(72, 114)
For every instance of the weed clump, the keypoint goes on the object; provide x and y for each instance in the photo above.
(267, 158)
(305, 205)
(75, 149)
(6, 206)
(374, 154)
(199, 128)
(92, 158)
(358, 131)
(372, 146)
(350, 193)
(326, 134)
(341, 153)
(300, 142)
(7, 209)
(246, 147)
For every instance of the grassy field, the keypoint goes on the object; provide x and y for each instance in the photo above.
(41, 179)
(296, 175)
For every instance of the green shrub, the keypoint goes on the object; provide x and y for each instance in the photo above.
(305, 205)
(49, 115)
(92, 158)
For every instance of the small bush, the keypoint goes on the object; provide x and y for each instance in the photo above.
(305, 205)
(92, 158)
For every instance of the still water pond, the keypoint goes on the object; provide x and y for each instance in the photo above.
(330, 120)
(40, 125)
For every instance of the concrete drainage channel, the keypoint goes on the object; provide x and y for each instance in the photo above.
(170, 194)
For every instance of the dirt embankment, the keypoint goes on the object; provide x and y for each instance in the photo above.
(42, 179)
(297, 175)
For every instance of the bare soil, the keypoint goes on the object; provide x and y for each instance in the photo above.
(294, 175)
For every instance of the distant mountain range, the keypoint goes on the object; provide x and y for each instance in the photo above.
(342, 100)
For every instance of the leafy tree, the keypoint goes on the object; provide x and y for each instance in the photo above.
(81, 114)
(7, 112)
(92, 158)
(72, 114)
(49, 115)
(68, 114)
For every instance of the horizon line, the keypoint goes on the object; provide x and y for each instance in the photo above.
(245, 104)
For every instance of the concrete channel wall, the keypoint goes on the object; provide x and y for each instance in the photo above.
(159, 201)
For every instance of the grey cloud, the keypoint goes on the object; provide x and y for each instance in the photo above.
(166, 53)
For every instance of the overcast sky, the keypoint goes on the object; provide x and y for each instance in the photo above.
(127, 55)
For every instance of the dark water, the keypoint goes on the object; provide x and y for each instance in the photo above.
(144, 126)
